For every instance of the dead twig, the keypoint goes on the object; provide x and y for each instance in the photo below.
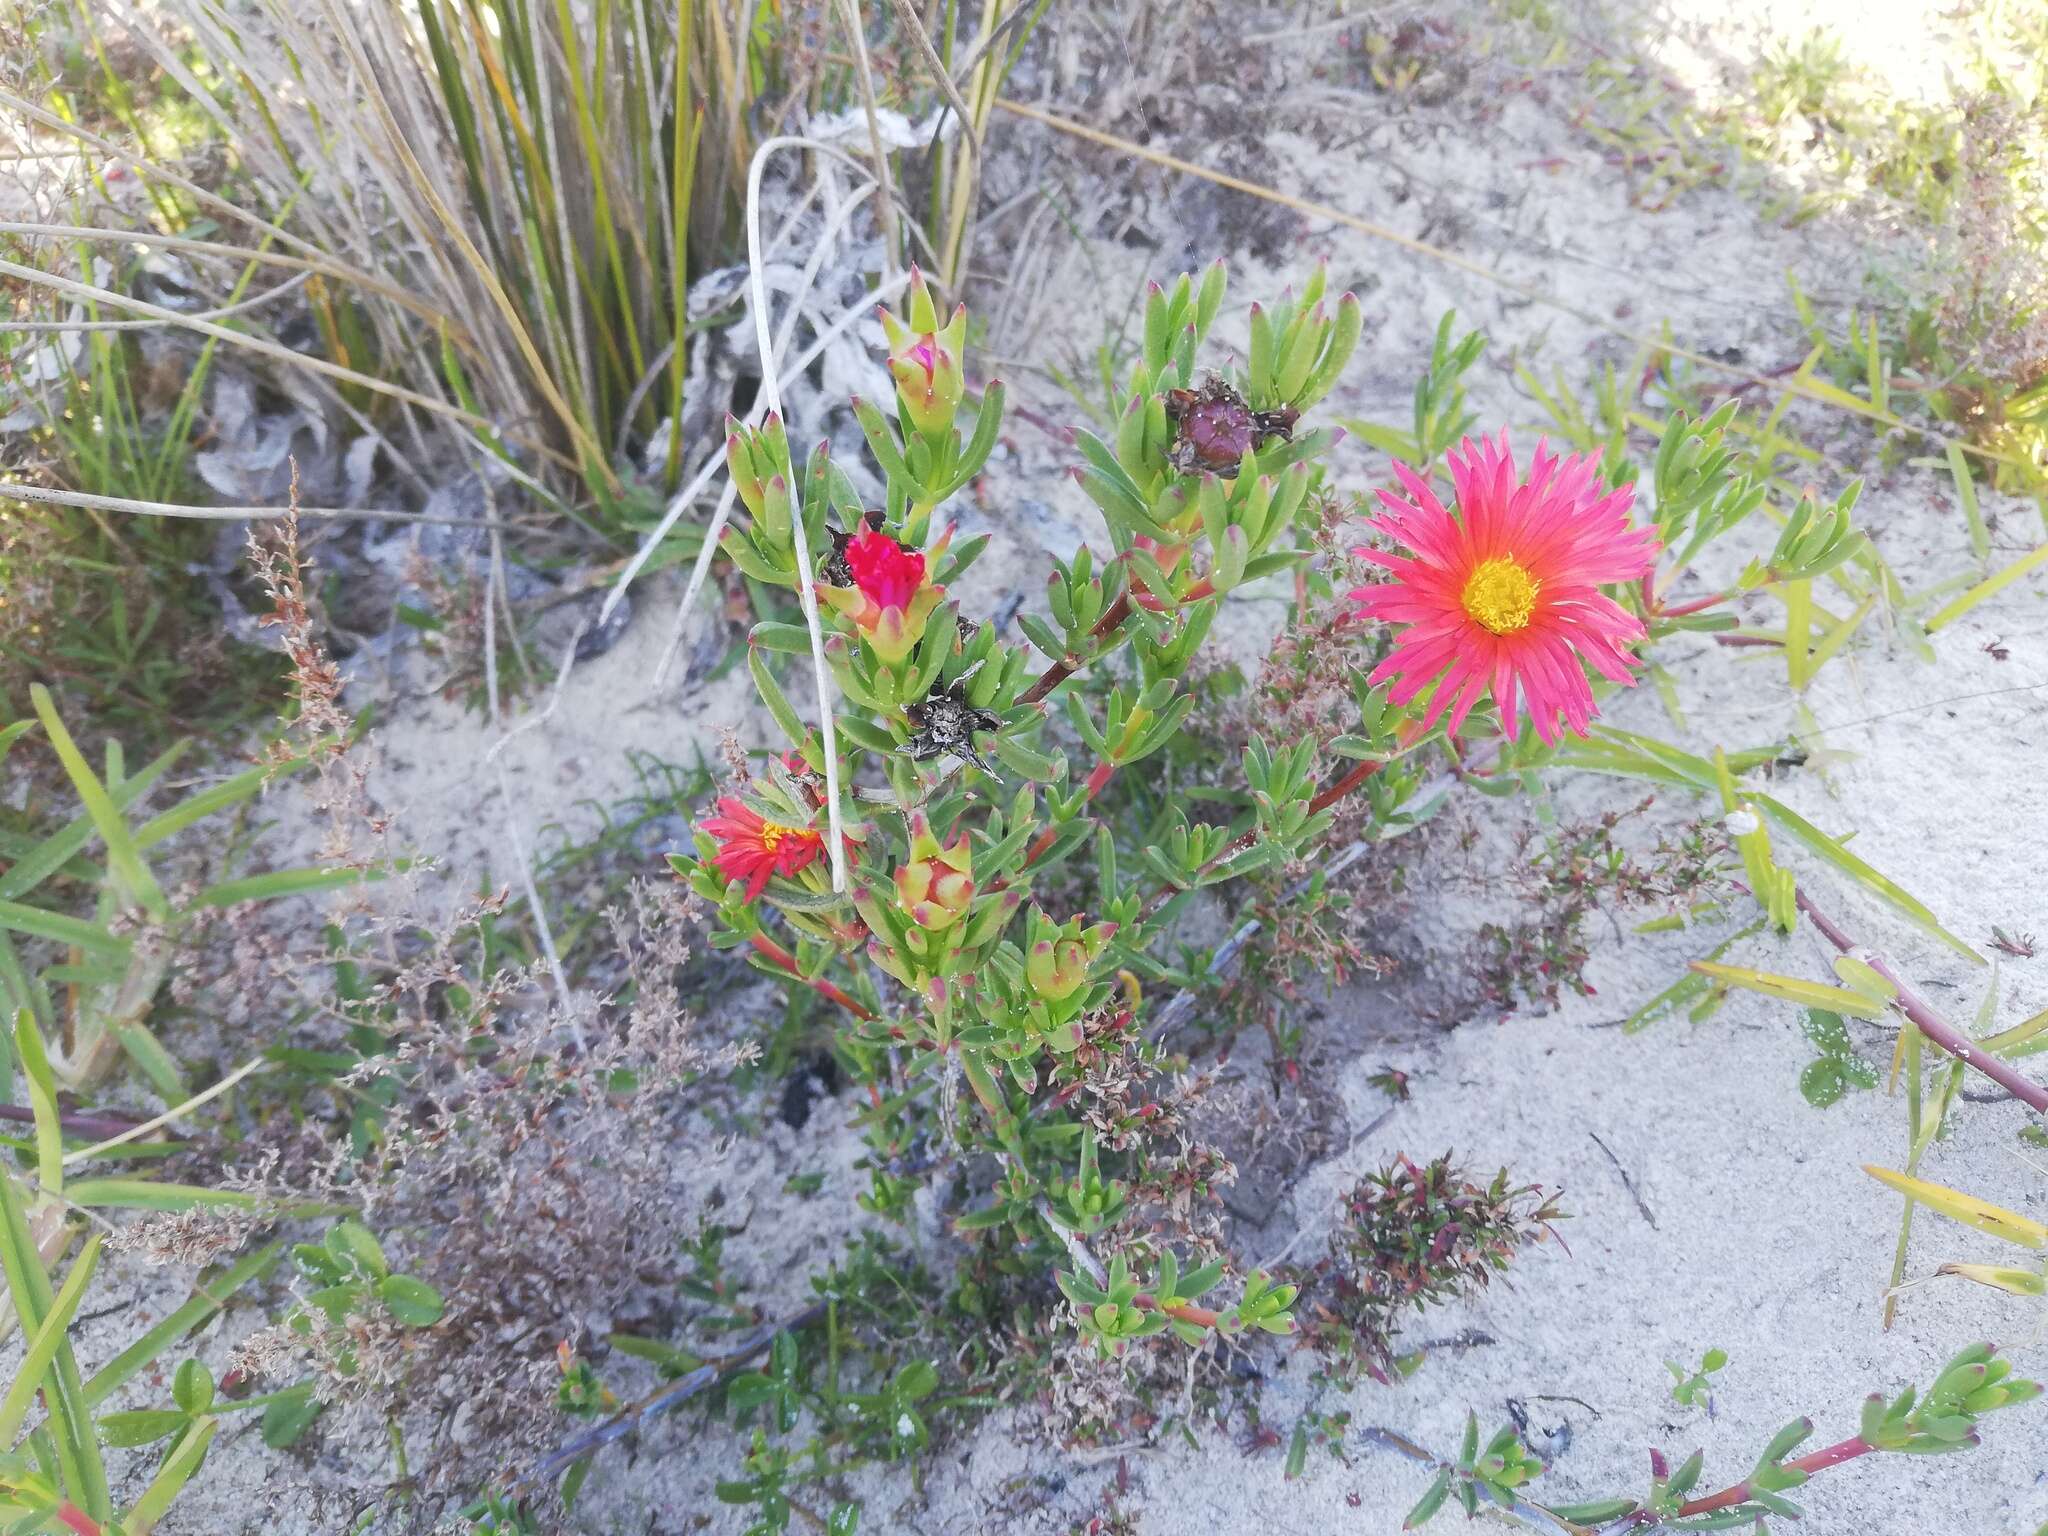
(1627, 1183)
(670, 1397)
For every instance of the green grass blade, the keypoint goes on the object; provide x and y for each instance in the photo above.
(153, 1061)
(1829, 849)
(122, 855)
(75, 1440)
(171, 1477)
(42, 1349)
(208, 1297)
(204, 804)
(1838, 636)
(1685, 991)
(1793, 989)
(18, 990)
(284, 882)
(58, 849)
(9, 735)
(1966, 493)
(1990, 586)
(2008, 1042)
(150, 1195)
(1798, 597)
(58, 928)
(42, 1097)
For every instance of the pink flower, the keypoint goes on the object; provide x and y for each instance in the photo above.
(886, 573)
(751, 847)
(889, 600)
(1504, 592)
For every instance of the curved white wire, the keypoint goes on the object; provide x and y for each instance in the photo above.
(807, 589)
(708, 471)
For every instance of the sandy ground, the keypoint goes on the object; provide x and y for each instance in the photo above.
(1749, 1225)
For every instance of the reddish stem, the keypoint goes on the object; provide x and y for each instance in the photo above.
(74, 1123)
(776, 955)
(1066, 666)
(1697, 605)
(1818, 1461)
(1097, 782)
(1201, 1317)
(1937, 1030)
(1342, 787)
(77, 1518)
(1112, 616)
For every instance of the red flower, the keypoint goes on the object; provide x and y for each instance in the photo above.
(887, 574)
(751, 848)
(889, 600)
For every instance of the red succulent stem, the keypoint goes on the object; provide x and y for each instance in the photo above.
(776, 955)
(1097, 782)
(73, 1123)
(1697, 605)
(1938, 1031)
(1736, 641)
(1067, 666)
(1817, 1461)
(1112, 616)
(1180, 1311)
(76, 1518)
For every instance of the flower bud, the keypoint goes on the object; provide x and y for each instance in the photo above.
(1056, 959)
(756, 458)
(891, 598)
(925, 359)
(936, 886)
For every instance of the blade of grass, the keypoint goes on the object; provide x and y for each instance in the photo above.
(1966, 493)
(208, 1297)
(152, 1195)
(42, 1098)
(75, 1441)
(1794, 989)
(208, 802)
(176, 1112)
(289, 882)
(171, 1477)
(37, 923)
(56, 850)
(1837, 637)
(1798, 597)
(34, 1367)
(135, 880)
(2009, 1042)
(1989, 587)
(1967, 1209)
(1834, 852)
(152, 1060)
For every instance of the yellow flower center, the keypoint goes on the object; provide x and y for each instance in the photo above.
(1501, 595)
(772, 834)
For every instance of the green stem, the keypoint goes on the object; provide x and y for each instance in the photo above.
(993, 1103)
